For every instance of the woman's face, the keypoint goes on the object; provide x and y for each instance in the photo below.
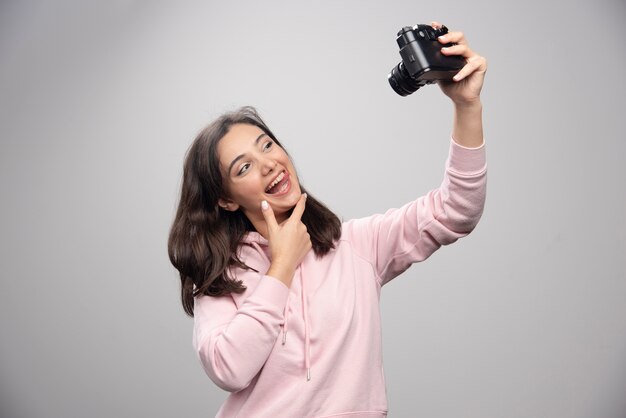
(254, 168)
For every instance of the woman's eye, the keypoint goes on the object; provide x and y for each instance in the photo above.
(267, 145)
(243, 169)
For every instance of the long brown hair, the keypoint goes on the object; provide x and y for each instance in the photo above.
(204, 237)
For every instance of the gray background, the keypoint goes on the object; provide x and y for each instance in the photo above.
(100, 100)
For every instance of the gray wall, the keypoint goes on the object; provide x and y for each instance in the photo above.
(100, 100)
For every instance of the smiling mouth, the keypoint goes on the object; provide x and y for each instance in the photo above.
(280, 184)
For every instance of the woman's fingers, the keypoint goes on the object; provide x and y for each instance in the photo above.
(454, 37)
(289, 241)
(270, 219)
(298, 210)
(268, 215)
(460, 49)
(475, 63)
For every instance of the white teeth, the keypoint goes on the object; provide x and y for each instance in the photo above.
(275, 182)
(282, 188)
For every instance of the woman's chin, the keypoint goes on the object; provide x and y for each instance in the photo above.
(283, 204)
(286, 203)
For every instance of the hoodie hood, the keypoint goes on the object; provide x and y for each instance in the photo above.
(253, 236)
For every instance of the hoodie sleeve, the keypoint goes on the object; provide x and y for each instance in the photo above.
(400, 237)
(234, 342)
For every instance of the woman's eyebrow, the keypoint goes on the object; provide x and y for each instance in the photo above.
(240, 156)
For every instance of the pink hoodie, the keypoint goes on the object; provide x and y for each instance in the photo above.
(314, 350)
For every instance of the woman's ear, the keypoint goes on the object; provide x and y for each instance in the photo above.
(227, 204)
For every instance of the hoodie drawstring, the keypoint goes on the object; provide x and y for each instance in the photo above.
(307, 341)
(305, 312)
(286, 321)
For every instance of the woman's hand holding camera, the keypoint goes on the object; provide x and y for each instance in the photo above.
(465, 89)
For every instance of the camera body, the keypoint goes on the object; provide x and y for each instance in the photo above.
(422, 61)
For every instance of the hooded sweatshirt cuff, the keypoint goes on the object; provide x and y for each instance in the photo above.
(272, 291)
(467, 161)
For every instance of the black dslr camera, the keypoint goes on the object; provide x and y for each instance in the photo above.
(422, 61)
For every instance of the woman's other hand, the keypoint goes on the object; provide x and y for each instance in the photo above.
(289, 242)
(468, 82)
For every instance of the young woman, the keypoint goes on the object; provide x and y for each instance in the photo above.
(285, 297)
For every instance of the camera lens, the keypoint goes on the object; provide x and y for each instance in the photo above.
(401, 82)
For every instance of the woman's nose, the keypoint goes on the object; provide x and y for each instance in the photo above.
(268, 165)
